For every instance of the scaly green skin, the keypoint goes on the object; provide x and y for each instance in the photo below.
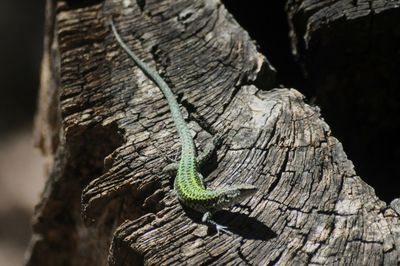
(188, 183)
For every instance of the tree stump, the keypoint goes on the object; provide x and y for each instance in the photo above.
(350, 53)
(107, 127)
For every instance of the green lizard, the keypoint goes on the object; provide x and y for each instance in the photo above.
(189, 185)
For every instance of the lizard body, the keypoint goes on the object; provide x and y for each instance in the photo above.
(188, 183)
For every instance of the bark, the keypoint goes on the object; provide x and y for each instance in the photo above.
(350, 53)
(107, 199)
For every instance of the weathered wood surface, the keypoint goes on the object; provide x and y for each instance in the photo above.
(107, 201)
(350, 52)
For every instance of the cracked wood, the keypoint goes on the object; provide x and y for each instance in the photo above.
(106, 200)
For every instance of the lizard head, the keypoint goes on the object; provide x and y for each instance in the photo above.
(235, 194)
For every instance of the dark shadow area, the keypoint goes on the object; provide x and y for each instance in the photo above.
(353, 77)
(354, 68)
(75, 4)
(21, 28)
(243, 225)
(267, 24)
(237, 223)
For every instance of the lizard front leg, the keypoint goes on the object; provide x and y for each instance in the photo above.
(172, 166)
(209, 150)
(207, 219)
(203, 157)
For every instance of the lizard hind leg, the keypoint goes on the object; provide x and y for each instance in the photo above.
(173, 164)
(209, 150)
(201, 180)
(207, 219)
(170, 159)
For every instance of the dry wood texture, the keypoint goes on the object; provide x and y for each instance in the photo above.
(350, 52)
(107, 200)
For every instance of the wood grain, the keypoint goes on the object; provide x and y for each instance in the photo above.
(107, 200)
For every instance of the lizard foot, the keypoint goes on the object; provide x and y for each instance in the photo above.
(207, 219)
(168, 158)
(222, 228)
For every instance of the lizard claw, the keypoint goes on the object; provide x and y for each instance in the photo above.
(222, 228)
(207, 219)
(169, 159)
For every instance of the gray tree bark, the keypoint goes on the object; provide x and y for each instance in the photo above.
(349, 51)
(106, 126)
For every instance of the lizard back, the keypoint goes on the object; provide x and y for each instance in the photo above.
(188, 184)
